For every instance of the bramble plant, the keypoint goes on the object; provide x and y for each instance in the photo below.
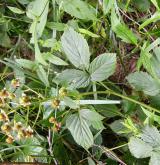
(80, 82)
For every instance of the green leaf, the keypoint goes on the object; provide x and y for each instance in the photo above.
(5, 40)
(145, 60)
(56, 25)
(91, 162)
(19, 74)
(107, 5)
(23, 2)
(142, 5)
(121, 30)
(155, 60)
(151, 136)
(49, 43)
(74, 78)
(98, 125)
(27, 64)
(16, 10)
(153, 45)
(139, 148)
(151, 115)
(47, 112)
(90, 115)
(32, 147)
(38, 55)
(117, 127)
(34, 39)
(142, 81)
(147, 145)
(155, 17)
(108, 110)
(89, 33)
(19, 118)
(149, 61)
(58, 147)
(38, 14)
(69, 102)
(102, 66)
(80, 130)
(128, 106)
(76, 48)
(157, 53)
(54, 59)
(42, 75)
(156, 3)
(78, 8)
(33, 11)
(154, 101)
(155, 158)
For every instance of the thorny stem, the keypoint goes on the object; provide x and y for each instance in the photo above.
(49, 141)
(49, 138)
(109, 153)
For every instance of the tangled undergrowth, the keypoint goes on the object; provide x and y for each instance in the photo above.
(80, 82)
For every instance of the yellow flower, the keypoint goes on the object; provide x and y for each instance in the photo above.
(24, 101)
(29, 132)
(11, 96)
(52, 120)
(63, 92)
(3, 116)
(15, 83)
(2, 102)
(21, 133)
(4, 94)
(6, 128)
(10, 139)
(55, 103)
(18, 126)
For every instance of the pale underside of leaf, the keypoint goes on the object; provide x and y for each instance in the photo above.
(91, 115)
(155, 158)
(74, 78)
(142, 81)
(78, 8)
(102, 67)
(76, 48)
(80, 131)
(139, 148)
(151, 136)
